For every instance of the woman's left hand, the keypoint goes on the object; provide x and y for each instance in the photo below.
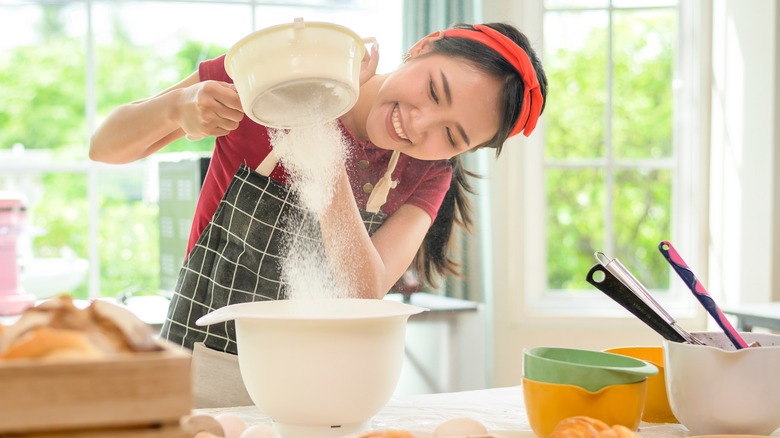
(369, 63)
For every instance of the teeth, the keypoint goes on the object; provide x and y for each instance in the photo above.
(397, 124)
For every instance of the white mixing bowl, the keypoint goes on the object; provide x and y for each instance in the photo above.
(297, 74)
(715, 389)
(320, 367)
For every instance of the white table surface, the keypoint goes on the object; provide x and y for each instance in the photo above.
(499, 409)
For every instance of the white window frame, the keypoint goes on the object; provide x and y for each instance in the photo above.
(690, 194)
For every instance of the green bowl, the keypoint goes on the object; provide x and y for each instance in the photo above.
(588, 369)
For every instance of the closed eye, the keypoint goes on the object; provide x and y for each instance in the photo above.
(450, 138)
(435, 97)
(432, 91)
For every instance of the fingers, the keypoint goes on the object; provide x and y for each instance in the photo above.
(373, 61)
(228, 96)
(229, 103)
(216, 110)
(369, 63)
(229, 113)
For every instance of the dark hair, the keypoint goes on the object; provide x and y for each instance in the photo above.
(433, 259)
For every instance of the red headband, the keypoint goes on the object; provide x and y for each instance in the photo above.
(515, 55)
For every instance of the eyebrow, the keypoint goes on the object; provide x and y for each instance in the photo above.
(448, 96)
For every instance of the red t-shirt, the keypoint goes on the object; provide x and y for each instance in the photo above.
(420, 183)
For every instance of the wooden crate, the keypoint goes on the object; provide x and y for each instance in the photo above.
(161, 431)
(150, 390)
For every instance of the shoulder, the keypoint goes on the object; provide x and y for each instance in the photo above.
(426, 170)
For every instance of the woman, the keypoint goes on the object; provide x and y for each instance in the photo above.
(396, 197)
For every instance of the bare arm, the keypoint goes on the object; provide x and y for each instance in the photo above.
(369, 266)
(193, 108)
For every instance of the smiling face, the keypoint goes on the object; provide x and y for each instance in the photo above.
(434, 107)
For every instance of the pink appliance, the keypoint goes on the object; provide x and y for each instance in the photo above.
(13, 300)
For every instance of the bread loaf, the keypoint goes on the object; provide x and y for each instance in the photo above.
(57, 329)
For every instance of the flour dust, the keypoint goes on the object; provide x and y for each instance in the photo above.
(313, 158)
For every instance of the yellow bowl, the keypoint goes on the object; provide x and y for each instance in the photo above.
(546, 404)
(657, 409)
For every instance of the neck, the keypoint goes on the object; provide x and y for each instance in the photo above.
(356, 118)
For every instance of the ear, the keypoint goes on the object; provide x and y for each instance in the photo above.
(424, 45)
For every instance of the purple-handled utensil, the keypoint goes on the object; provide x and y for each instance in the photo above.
(698, 290)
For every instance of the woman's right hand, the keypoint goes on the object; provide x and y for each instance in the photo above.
(209, 108)
(369, 63)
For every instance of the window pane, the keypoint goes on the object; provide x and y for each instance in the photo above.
(43, 123)
(165, 26)
(643, 3)
(58, 233)
(575, 225)
(575, 54)
(642, 98)
(145, 47)
(571, 4)
(129, 240)
(642, 214)
(42, 71)
(617, 122)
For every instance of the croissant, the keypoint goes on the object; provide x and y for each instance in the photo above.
(587, 427)
(387, 434)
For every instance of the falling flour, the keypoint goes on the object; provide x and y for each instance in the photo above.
(313, 158)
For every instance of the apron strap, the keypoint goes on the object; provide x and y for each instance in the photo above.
(268, 164)
(378, 195)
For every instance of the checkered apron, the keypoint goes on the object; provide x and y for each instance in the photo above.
(238, 257)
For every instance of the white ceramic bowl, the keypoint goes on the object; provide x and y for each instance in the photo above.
(320, 367)
(297, 74)
(46, 277)
(715, 389)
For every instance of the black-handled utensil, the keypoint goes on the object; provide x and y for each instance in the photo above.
(615, 289)
(625, 276)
